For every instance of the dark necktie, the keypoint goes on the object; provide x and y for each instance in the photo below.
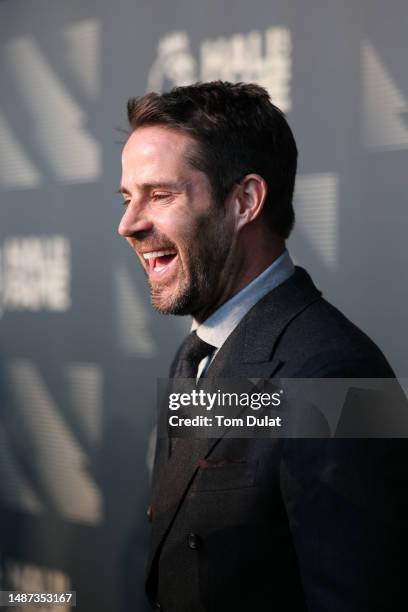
(192, 351)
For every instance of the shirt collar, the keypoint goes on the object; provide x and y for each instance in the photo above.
(216, 329)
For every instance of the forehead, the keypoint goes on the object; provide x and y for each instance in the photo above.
(153, 151)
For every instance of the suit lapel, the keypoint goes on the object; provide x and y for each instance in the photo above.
(249, 352)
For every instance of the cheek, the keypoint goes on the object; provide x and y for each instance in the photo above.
(186, 223)
(180, 227)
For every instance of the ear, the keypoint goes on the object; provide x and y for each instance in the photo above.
(249, 199)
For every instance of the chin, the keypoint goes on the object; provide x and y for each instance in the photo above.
(181, 305)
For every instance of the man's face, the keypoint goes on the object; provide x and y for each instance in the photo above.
(181, 236)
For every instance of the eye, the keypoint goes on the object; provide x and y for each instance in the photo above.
(160, 195)
(125, 202)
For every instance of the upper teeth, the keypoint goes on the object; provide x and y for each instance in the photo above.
(158, 253)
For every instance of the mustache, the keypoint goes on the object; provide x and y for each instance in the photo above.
(152, 242)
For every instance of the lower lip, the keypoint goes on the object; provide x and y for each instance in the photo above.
(165, 272)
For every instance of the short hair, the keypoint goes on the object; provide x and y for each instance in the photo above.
(239, 131)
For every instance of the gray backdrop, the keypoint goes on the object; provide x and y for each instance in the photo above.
(80, 347)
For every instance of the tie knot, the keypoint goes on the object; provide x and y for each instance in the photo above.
(192, 351)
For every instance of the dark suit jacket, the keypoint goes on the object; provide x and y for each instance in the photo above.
(294, 524)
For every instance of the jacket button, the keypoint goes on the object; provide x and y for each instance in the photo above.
(157, 606)
(149, 514)
(193, 541)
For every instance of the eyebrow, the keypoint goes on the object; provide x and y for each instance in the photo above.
(154, 185)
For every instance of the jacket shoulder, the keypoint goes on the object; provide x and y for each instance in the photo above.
(322, 342)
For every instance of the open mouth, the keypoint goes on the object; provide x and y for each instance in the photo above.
(159, 261)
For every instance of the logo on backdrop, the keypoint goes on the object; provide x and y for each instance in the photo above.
(261, 57)
(35, 274)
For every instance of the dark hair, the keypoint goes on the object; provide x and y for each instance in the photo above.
(238, 130)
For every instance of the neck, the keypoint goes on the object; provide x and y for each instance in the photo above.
(245, 270)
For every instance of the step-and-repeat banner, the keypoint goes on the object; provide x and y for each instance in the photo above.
(80, 347)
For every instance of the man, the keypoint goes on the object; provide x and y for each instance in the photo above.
(251, 524)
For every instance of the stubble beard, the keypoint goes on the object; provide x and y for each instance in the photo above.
(205, 257)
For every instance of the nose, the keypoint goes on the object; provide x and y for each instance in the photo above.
(134, 220)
